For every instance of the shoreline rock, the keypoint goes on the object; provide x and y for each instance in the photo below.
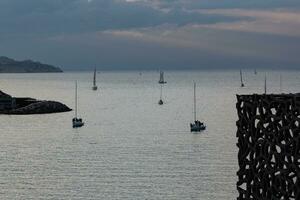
(40, 107)
(28, 106)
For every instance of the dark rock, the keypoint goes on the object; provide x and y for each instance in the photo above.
(4, 95)
(40, 107)
(27, 105)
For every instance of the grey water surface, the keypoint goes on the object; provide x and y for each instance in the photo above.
(130, 147)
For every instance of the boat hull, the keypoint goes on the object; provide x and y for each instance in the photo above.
(197, 127)
(77, 123)
(160, 102)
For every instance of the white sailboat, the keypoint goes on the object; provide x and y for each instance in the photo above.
(160, 102)
(161, 78)
(241, 75)
(197, 126)
(77, 122)
(94, 81)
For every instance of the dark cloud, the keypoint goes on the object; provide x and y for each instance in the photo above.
(71, 34)
(36, 17)
(217, 4)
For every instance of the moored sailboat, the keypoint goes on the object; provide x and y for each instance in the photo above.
(160, 102)
(241, 75)
(77, 122)
(197, 126)
(94, 81)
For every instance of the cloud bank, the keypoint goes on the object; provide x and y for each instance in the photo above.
(151, 34)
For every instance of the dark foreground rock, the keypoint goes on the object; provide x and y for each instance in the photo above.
(40, 107)
(27, 106)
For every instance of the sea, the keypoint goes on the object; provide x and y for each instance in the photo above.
(130, 147)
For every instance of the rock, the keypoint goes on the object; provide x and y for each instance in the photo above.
(40, 107)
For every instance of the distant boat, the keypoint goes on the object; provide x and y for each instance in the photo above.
(241, 75)
(77, 122)
(161, 78)
(94, 81)
(160, 102)
(255, 72)
(197, 126)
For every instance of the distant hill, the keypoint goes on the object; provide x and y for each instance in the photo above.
(8, 65)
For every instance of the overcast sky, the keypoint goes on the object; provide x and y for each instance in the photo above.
(152, 34)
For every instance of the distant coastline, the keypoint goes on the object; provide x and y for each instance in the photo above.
(9, 65)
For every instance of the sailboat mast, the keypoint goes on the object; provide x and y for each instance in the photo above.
(241, 77)
(195, 101)
(265, 83)
(280, 83)
(94, 77)
(76, 99)
(160, 92)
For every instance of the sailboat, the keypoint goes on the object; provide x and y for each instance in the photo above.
(94, 81)
(161, 78)
(160, 102)
(242, 84)
(77, 122)
(197, 126)
(255, 72)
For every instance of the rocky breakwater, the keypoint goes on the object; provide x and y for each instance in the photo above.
(27, 106)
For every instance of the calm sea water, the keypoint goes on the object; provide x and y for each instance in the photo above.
(130, 148)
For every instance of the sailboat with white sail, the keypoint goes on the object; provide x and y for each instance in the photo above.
(241, 76)
(160, 102)
(161, 78)
(94, 81)
(197, 126)
(77, 122)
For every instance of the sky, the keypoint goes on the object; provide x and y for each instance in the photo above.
(152, 34)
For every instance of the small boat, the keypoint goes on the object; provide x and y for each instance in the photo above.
(94, 81)
(255, 72)
(197, 126)
(160, 102)
(161, 78)
(241, 75)
(77, 122)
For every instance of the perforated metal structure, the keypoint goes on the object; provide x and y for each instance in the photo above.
(269, 146)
